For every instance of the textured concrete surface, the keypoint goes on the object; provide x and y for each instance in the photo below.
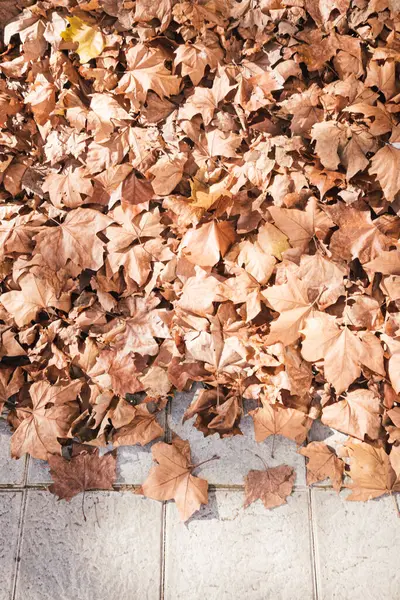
(10, 510)
(114, 554)
(317, 547)
(227, 552)
(11, 471)
(357, 547)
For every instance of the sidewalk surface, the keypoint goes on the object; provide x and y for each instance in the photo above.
(318, 546)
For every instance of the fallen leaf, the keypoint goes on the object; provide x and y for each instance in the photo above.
(272, 486)
(172, 479)
(323, 464)
(90, 40)
(85, 471)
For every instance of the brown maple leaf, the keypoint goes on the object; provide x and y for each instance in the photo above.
(11, 382)
(301, 225)
(75, 239)
(172, 479)
(357, 415)
(35, 295)
(374, 473)
(205, 245)
(276, 419)
(343, 351)
(134, 425)
(54, 407)
(272, 486)
(357, 236)
(323, 463)
(85, 471)
(291, 301)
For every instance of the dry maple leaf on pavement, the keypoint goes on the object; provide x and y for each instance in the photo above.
(272, 486)
(172, 479)
(86, 470)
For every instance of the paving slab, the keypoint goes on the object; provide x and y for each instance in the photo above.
(10, 508)
(238, 453)
(357, 547)
(226, 553)
(115, 554)
(11, 471)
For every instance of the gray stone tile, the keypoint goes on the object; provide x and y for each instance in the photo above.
(357, 547)
(226, 553)
(38, 472)
(114, 554)
(11, 470)
(238, 453)
(10, 508)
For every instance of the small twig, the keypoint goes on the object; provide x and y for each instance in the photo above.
(262, 460)
(273, 447)
(83, 505)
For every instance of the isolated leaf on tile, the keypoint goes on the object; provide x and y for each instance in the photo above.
(83, 472)
(172, 479)
(272, 486)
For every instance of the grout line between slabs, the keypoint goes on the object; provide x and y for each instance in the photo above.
(21, 526)
(167, 438)
(163, 549)
(314, 547)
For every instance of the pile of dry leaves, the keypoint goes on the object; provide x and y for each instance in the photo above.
(201, 191)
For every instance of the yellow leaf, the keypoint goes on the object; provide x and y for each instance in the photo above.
(204, 196)
(90, 40)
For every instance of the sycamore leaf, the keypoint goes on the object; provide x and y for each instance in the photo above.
(35, 295)
(272, 486)
(291, 301)
(275, 419)
(272, 241)
(301, 225)
(68, 187)
(323, 463)
(387, 263)
(343, 352)
(54, 407)
(75, 239)
(134, 425)
(90, 40)
(146, 71)
(172, 479)
(357, 235)
(385, 164)
(374, 473)
(116, 371)
(357, 415)
(85, 471)
(11, 382)
(167, 172)
(205, 245)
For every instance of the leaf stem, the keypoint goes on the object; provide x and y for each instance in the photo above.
(203, 462)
